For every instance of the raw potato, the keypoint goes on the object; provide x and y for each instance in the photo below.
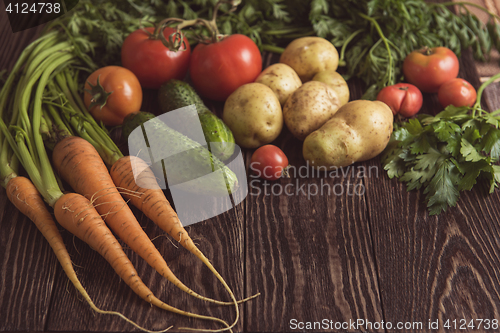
(360, 130)
(282, 79)
(310, 55)
(254, 115)
(336, 81)
(309, 108)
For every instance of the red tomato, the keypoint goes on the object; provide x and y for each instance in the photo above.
(112, 93)
(269, 162)
(457, 92)
(151, 61)
(402, 98)
(429, 68)
(219, 68)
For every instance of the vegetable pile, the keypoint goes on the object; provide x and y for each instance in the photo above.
(87, 71)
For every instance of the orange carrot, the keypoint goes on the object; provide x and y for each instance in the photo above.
(151, 200)
(26, 198)
(77, 215)
(80, 165)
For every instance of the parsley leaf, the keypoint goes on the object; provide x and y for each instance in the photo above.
(446, 153)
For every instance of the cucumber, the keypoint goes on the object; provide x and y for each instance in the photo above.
(188, 161)
(175, 94)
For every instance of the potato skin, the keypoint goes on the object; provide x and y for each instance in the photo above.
(282, 79)
(253, 113)
(309, 107)
(310, 55)
(336, 81)
(359, 131)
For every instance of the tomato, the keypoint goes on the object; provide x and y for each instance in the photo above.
(112, 93)
(218, 69)
(429, 68)
(402, 98)
(457, 92)
(269, 162)
(151, 61)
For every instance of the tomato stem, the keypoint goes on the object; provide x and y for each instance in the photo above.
(176, 40)
(426, 51)
(98, 93)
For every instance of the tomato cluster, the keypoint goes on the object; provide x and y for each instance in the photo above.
(216, 68)
(435, 70)
(429, 70)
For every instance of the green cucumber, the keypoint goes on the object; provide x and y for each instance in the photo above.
(175, 94)
(189, 160)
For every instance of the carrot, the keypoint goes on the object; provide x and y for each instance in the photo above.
(157, 207)
(24, 138)
(77, 161)
(151, 200)
(26, 198)
(78, 215)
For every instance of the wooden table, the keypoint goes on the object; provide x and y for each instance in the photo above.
(368, 252)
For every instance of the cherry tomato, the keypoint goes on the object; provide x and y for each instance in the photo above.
(219, 68)
(457, 92)
(429, 68)
(402, 98)
(268, 162)
(112, 93)
(151, 61)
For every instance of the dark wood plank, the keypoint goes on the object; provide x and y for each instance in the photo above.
(312, 258)
(443, 267)
(27, 271)
(308, 248)
(217, 238)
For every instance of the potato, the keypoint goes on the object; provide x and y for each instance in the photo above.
(254, 115)
(360, 130)
(282, 79)
(309, 107)
(310, 55)
(336, 81)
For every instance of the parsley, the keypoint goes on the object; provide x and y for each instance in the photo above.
(446, 153)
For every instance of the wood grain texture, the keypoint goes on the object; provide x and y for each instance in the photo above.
(436, 268)
(343, 256)
(110, 293)
(27, 272)
(309, 245)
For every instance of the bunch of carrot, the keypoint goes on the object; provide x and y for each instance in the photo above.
(20, 145)
(40, 106)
